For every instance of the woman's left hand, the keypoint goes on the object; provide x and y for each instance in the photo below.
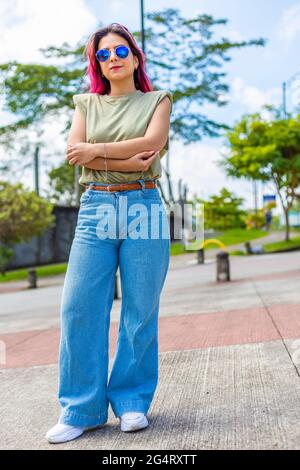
(81, 153)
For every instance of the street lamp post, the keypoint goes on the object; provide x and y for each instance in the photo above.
(285, 85)
(36, 169)
(255, 202)
(142, 27)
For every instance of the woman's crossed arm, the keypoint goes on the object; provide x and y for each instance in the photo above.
(91, 155)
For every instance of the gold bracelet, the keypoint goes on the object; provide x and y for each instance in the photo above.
(105, 162)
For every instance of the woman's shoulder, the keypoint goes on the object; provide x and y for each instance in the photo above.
(158, 95)
(159, 92)
(82, 97)
(84, 100)
(84, 94)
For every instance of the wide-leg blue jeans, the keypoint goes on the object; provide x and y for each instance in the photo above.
(129, 229)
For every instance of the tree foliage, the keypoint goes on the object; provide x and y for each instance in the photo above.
(23, 214)
(223, 211)
(267, 150)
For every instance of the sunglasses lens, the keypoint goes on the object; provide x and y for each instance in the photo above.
(102, 55)
(122, 51)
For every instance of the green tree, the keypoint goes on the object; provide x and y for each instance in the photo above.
(61, 188)
(255, 220)
(23, 214)
(223, 211)
(267, 150)
(34, 92)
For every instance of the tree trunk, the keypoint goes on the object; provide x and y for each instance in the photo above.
(287, 225)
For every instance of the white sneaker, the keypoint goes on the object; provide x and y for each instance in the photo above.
(132, 421)
(63, 433)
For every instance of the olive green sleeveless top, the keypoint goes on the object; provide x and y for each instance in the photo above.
(117, 118)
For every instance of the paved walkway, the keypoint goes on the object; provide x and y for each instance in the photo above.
(229, 361)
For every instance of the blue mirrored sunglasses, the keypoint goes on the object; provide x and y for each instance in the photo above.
(103, 54)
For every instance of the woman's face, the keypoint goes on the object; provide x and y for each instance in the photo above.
(127, 65)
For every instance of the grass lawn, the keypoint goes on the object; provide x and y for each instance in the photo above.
(240, 235)
(276, 246)
(228, 237)
(42, 271)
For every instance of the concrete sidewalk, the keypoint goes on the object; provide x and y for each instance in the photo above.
(229, 361)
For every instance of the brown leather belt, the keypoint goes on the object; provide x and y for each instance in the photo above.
(122, 186)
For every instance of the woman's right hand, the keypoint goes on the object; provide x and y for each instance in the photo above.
(141, 161)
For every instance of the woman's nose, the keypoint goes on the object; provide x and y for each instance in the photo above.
(113, 54)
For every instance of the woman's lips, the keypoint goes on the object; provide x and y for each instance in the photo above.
(116, 68)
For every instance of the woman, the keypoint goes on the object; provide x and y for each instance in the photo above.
(118, 134)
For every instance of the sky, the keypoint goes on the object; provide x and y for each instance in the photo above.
(255, 74)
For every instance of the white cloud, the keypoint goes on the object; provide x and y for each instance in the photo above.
(252, 98)
(196, 165)
(27, 25)
(290, 23)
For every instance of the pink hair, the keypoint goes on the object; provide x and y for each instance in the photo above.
(101, 85)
